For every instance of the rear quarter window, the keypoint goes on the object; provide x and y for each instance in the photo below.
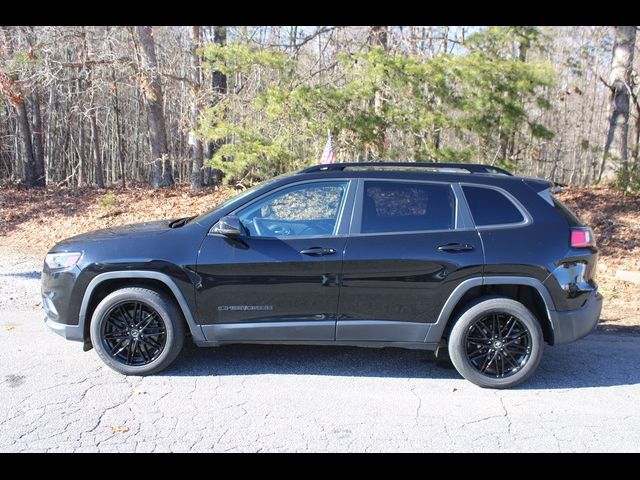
(491, 207)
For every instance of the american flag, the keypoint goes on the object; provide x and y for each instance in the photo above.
(328, 155)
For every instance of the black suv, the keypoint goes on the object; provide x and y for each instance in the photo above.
(465, 257)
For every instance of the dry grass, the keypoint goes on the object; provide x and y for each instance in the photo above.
(34, 220)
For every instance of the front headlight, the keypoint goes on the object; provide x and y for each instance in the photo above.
(62, 260)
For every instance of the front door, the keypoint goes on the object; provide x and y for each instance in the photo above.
(408, 250)
(280, 281)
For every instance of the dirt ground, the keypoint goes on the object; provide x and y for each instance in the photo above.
(616, 222)
(32, 221)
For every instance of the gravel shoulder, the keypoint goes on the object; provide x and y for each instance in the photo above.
(19, 280)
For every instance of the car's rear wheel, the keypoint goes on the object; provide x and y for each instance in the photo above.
(496, 343)
(137, 331)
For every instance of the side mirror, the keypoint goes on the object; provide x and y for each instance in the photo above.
(229, 226)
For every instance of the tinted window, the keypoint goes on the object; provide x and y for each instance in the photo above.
(490, 207)
(405, 207)
(309, 209)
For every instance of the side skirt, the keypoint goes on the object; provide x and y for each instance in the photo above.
(347, 332)
(345, 343)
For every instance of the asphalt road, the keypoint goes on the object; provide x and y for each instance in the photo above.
(54, 397)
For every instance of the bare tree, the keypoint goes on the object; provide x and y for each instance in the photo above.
(161, 175)
(196, 143)
(117, 114)
(615, 148)
(37, 143)
(36, 119)
(17, 100)
(13, 91)
(83, 115)
(219, 90)
(87, 62)
(378, 37)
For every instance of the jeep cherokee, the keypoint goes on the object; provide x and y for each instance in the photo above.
(460, 257)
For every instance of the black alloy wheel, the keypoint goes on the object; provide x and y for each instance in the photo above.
(134, 333)
(498, 345)
(137, 330)
(496, 342)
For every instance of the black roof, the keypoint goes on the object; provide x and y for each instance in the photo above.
(446, 172)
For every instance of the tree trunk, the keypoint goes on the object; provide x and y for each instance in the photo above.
(81, 149)
(615, 148)
(219, 86)
(11, 89)
(117, 113)
(97, 158)
(161, 175)
(378, 38)
(196, 143)
(51, 154)
(37, 143)
(119, 143)
(24, 132)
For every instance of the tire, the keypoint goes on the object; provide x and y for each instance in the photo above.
(111, 333)
(515, 359)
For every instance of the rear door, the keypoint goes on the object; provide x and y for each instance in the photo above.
(410, 245)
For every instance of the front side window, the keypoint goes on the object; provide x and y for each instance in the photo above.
(389, 207)
(309, 209)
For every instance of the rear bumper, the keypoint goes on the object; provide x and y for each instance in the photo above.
(572, 325)
(70, 332)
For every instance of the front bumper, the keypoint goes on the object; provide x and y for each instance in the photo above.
(70, 332)
(572, 325)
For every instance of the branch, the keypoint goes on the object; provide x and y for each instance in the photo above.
(305, 40)
(97, 62)
(606, 84)
(317, 72)
(308, 38)
(634, 96)
(180, 79)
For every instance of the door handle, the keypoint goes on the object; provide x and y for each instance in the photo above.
(318, 251)
(331, 280)
(455, 247)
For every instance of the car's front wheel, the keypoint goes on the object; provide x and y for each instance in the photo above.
(496, 343)
(137, 331)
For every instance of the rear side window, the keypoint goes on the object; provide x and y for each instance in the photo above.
(491, 207)
(405, 207)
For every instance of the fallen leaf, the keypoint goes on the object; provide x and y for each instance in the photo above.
(119, 429)
(11, 327)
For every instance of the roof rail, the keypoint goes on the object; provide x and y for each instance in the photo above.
(470, 167)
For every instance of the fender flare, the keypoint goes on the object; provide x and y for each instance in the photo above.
(195, 328)
(434, 335)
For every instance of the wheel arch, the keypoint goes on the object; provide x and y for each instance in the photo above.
(527, 290)
(105, 283)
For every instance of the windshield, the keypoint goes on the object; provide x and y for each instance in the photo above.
(236, 198)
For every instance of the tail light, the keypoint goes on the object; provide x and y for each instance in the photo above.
(582, 237)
